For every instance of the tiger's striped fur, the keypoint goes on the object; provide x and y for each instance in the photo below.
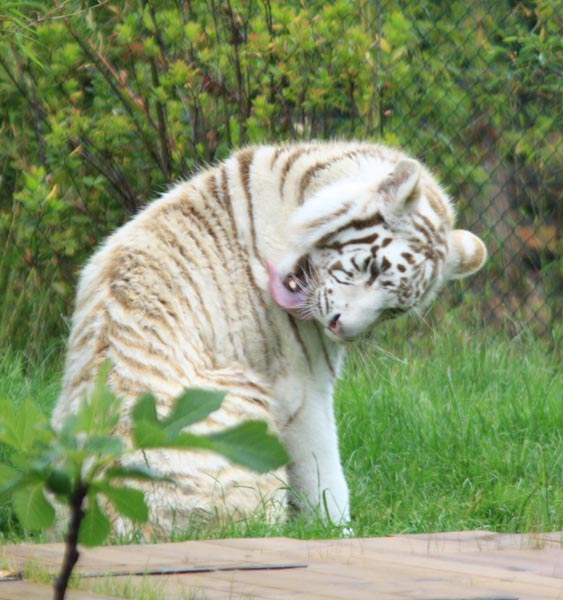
(248, 278)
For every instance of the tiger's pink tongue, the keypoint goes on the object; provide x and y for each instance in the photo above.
(290, 301)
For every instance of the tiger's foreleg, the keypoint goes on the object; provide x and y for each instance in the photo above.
(316, 477)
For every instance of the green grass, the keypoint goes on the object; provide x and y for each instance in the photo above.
(447, 429)
(140, 588)
(22, 378)
(464, 432)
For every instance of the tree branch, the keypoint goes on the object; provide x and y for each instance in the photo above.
(72, 554)
(117, 85)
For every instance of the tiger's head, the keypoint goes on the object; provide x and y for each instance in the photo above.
(367, 250)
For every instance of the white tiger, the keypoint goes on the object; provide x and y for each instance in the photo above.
(249, 278)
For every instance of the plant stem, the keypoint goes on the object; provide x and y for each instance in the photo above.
(71, 541)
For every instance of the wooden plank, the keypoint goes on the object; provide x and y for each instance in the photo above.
(458, 565)
(531, 564)
(143, 556)
(391, 580)
(464, 541)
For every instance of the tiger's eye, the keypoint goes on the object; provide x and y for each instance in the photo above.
(291, 283)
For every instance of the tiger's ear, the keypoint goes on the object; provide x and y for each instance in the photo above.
(400, 187)
(467, 254)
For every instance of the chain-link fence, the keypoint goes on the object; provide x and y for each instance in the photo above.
(485, 110)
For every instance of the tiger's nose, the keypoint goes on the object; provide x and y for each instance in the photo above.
(335, 325)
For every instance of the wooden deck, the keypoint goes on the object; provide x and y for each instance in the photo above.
(446, 566)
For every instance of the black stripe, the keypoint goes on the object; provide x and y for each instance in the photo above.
(312, 171)
(202, 226)
(327, 303)
(300, 341)
(245, 159)
(291, 160)
(372, 221)
(229, 246)
(277, 153)
(340, 281)
(340, 269)
(308, 176)
(367, 239)
(326, 353)
(227, 201)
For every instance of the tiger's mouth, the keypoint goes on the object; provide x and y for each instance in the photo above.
(289, 291)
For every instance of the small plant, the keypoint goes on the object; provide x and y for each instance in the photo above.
(80, 462)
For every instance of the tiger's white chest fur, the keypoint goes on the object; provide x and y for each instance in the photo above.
(249, 278)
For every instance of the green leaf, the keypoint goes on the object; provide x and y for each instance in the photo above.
(148, 435)
(104, 444)
(32, 507)
(59, 483)
(250, 445)
(21, 424)
(95, 526)
(189, 441)
(189, 408)
(145, 409)
(7, 474)
(129, 502)
(137, 473)
(10, 487)
(68, 431)
(98, 413)
(192, 406)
